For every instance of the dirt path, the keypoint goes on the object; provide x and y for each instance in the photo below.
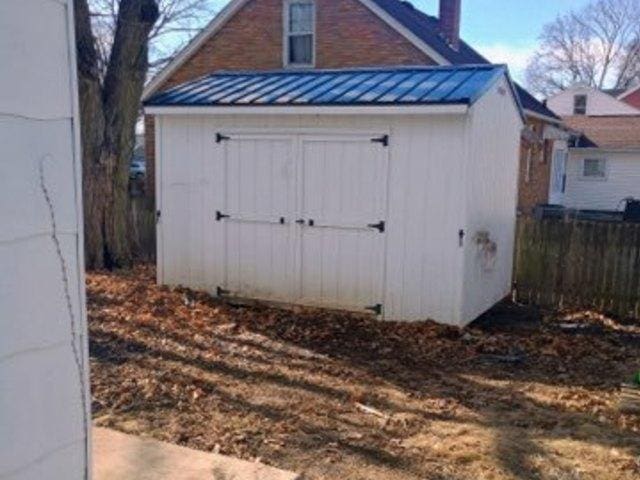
(343, 397)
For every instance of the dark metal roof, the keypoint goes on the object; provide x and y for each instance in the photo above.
(372, 86)
(427, 29)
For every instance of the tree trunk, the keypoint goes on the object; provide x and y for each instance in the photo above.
(108, 112)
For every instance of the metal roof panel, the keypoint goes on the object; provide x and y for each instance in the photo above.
(370, 86)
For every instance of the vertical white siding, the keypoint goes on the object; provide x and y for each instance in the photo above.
(425, 202)
(491, 195)
(42, 422)
(445, 173)
(623, 180)
(425, 214)
(598, 103)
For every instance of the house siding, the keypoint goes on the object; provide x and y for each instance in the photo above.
(348, 34)
(43, 378)
(623, 180)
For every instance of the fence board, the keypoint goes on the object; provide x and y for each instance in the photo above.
(577, 263)
(144, 229)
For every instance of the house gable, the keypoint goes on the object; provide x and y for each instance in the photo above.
(597, 102)
(348, 34)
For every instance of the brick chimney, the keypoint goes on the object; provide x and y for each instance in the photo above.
(450, 22)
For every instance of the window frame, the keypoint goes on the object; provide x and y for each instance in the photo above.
(575, 103)
(286, 34)
(589, 178)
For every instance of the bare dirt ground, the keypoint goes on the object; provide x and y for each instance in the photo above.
(338, 396)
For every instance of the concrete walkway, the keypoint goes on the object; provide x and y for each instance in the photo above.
(117, 456)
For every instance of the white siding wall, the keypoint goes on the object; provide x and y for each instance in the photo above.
(42, 433)
(598, 103)
(425, 203)
(491, 198)
(623, 180)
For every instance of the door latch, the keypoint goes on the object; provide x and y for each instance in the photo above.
(378, 226)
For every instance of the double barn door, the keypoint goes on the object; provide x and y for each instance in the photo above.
(304, 219)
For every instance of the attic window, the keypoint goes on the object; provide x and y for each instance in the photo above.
(299, 33)
(579, 104)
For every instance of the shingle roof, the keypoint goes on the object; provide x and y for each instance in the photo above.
(427, 29)
(462, 84)
(614, 132)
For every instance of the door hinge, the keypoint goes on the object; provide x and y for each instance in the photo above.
(377, 308)
(221, 292)
(220, 215)
(378, 226)
(158, 215)
(220, 137)
(461, 235)
(384, 140)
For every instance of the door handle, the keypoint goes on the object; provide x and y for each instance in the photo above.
(301, 221)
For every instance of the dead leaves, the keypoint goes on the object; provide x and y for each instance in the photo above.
(406, 400)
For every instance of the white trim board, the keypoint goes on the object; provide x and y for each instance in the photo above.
(235, 5)
(459, 109)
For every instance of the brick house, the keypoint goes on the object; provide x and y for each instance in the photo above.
(257, 35)
(631, 96)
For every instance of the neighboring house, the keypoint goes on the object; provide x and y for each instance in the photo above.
(584, 100)
(631, 96)
(604, 162)
(44, 399)
(391, 188)
(263, 35)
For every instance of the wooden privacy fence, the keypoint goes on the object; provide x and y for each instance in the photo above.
(582, 264)
(144, 229)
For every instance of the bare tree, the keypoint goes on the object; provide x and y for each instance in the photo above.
(178, 21)
(113, 42)
(597, 46)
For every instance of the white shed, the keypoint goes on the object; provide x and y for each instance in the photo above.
(386, 190)
(44, 400)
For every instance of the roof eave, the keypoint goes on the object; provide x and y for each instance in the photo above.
(607, 149)
(435, 109)
(540, 116)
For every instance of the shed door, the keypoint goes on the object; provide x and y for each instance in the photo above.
(343, 190)
(260, 239)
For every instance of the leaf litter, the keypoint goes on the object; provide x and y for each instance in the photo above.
(333, 395)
